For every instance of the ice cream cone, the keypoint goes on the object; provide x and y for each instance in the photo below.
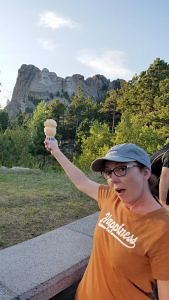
(50, 129)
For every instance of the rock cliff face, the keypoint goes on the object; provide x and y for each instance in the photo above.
(33, 85)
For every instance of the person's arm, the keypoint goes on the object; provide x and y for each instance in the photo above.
(164, 186)
(79, 179)
(163, 289)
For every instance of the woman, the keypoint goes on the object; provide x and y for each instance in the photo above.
(131, 239)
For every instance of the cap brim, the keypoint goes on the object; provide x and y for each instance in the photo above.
(98, 164)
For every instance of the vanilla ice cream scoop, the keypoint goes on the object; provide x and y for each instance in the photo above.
(50, 128)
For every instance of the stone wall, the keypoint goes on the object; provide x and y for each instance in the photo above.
(48, 266)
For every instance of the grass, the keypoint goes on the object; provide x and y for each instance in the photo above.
(35, 203)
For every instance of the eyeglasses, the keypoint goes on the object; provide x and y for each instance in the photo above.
(118, 171)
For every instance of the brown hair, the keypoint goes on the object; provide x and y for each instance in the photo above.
(153, 182)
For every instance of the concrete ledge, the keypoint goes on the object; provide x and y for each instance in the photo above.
(42, 267)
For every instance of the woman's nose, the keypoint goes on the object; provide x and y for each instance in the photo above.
(114, 178)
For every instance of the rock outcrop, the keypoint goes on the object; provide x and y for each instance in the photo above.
(33, 85)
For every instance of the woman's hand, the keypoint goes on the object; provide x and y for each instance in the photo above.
(51, 145)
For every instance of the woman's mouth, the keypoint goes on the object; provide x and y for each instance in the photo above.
(119, 191)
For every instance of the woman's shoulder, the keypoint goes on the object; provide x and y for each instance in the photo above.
(106, 190)
(106, 193)
(160, 219)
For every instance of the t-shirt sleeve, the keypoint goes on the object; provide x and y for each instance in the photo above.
(104, 194)
(160, 258)
(166, 159)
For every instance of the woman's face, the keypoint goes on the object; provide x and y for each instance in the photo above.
(131, 187)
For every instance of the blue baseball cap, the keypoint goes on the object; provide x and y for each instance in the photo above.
(123, 153)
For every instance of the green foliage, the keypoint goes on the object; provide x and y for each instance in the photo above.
(108, 109)
(82, 132)
(160, 116)
(80, 108)
(56, 111)
(146, 97)
(4, 120)
(80, 111)
(97, 144)
(36, 127)
(14, 147)
(132, 129)
(22, 119)
(138, 113)
(139, 93)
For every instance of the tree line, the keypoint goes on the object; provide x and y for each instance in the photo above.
(138, 112)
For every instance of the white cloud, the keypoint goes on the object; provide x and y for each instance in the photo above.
(4, 96)
(51, 20)
(48, 44)
(110, 63)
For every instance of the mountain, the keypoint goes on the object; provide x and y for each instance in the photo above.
(33, 85)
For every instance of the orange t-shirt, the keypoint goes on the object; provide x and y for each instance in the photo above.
(130, 252)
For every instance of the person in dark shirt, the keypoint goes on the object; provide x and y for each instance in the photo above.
(160, 167)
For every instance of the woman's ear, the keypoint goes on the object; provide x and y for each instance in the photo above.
(147, 173)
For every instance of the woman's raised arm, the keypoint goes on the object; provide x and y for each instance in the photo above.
(78, 178)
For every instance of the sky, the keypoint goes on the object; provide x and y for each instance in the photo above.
(114, 38)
